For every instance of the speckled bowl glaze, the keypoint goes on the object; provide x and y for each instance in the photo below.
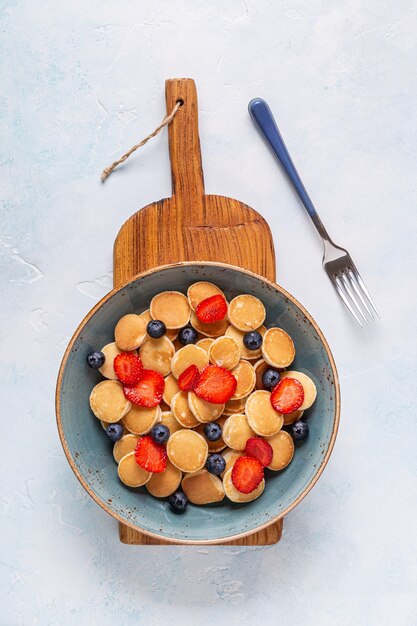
(89, 451)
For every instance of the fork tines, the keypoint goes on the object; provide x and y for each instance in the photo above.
(352, 290)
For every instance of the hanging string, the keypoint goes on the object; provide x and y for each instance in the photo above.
(167, 119)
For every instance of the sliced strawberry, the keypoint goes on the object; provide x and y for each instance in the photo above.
(128, 367)
(260, 449)
(247, 474)
(215, 384)
(147, 391)
(287, 395)
(188, 379)
(212, 309)
(150, 455)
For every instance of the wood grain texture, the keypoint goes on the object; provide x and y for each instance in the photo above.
(266, 537)
(192, 226)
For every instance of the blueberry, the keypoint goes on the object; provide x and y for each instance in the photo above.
(252, 340)
(178, 501)
(95, 359)
(187, 335)
(160, 433)
(156, 329)
(114, 432)
(299, 431)
(215, 464)
(213, 431)
(270, 378)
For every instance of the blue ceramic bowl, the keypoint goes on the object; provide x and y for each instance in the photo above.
(89, 451)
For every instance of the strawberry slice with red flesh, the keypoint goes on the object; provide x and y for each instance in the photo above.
(215, 384)
(189, 378)
(212, 309)
(247, 474)
(150, 455)
(287, 395)
(147, 391)
(260, 449)
(128, 368)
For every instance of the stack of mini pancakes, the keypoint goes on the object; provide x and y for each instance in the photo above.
(247, 414)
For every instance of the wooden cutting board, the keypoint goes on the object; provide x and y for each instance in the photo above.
(192, 226)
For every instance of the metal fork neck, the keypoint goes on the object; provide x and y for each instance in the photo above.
(319, 226)
(308, 204)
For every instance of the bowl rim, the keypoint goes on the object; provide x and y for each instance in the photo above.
(218, 540)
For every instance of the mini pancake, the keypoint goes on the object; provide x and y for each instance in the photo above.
(217, 329)
(187, 450)
(236, 431)
(130, 473)
(162, 484)
(213, 446)
(283, 450)
(172, 308)
(169, 420)
(230, 457)
(235, 406)
(204, 411)
(225, 352)
(278, 348)
(108, 402)
(130, 332)
(105, 424)
(186, 356)
(310, 391)
(140, 419)
(236, 496)
(246, 379)
(237, 335)
(260, 368)
(291, 418)
(181, 411)
(110, 351)
(170, 389)
(124, 446)
(197, 292)
(202, 487)
(146, 316)
(156, 354)
(246, 312)
(172, 333)
(205, 343)
(261, 415)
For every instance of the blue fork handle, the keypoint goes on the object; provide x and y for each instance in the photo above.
(263, 118)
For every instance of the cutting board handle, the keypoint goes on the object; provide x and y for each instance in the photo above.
(184, 146)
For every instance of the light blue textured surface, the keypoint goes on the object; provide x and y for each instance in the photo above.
(82, 82)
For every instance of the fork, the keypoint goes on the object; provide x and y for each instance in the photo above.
(337, 261)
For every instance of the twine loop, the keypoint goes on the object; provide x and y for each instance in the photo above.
(167, 119)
